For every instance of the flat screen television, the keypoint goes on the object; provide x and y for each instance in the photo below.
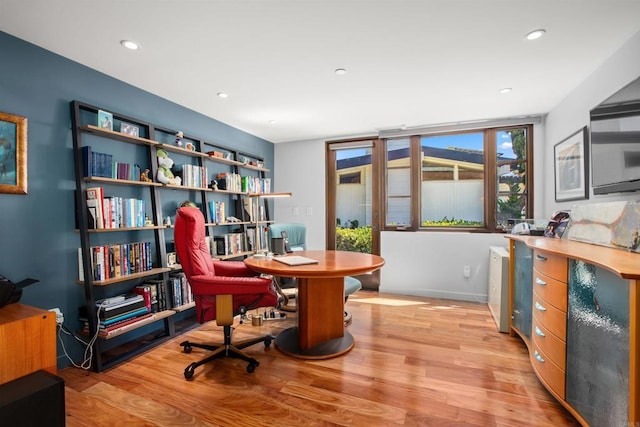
(615, 142)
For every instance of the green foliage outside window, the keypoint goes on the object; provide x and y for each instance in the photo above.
(354, 239)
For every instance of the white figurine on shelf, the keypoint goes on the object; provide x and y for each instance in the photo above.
(167, 222)
(179, 136)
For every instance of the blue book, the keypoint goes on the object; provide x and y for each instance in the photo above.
(87, 169)
(127, 315)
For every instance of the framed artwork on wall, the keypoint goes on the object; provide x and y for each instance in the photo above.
(570, 167)
(13, 154)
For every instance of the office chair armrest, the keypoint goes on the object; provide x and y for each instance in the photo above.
(233, 268)
(225, 285)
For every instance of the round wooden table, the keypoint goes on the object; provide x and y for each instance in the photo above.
(320, 333)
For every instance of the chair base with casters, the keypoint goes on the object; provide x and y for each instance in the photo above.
(221, 290)
(224, 317)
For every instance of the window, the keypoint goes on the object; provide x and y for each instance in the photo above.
(350, 178)
(462, 180)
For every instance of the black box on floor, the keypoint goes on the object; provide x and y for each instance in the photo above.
(36, 399)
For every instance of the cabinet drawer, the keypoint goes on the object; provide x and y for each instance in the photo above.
(554, 266)
(550, 317)
(551, 290)
(549, 344)
(548, 372)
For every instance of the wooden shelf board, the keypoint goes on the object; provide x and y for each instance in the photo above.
(120, 181)
(133, 326)
(117, 135)
(119, 279)
(184, 307)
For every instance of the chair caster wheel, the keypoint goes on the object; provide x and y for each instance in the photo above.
(187, 349)
(189, 370)
(267, 342)
(252, 366)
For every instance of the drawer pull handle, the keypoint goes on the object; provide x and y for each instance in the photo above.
(541, 258)
(540, 333)
(538, 357)
(540, 282)
(540, 307)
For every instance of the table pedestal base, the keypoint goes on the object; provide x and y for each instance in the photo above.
(287, 342)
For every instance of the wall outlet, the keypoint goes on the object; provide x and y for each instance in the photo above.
(466, 270)
(59, 315)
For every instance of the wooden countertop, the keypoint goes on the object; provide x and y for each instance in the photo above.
(624, 263)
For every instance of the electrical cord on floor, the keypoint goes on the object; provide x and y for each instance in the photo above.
(88, 352)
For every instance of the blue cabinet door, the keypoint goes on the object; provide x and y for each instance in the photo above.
(522, 288)
(598, 345)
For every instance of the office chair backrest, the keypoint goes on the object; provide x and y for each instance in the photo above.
(191, 246)
(296, 233)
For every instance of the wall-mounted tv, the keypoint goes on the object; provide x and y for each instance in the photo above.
(615, 142)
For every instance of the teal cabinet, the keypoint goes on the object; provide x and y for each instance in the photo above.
(597, 372)
(522, 288)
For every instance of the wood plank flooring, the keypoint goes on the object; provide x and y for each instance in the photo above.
(416, 362)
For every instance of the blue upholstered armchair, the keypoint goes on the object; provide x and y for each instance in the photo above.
(296, 233)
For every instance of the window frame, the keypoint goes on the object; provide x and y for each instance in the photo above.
(491, 193)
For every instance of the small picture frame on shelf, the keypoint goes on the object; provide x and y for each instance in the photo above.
(105, 120)
(171, 259)
(129, 129)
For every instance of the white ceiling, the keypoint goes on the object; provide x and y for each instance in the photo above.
(409, 63)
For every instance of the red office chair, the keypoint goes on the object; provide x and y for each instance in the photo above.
(221, 289)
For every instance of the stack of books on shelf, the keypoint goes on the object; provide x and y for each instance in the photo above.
(101, 165)
(255, 185)
(180, 290)
(108, 212)
(117, 314)
(229, 244)
(194, 176)
(112, 261)
(217, 212)
(229, 181)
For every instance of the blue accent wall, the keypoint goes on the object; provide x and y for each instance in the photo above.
(37, 237)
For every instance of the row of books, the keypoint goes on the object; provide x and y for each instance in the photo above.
(111, 261)
(229, 244)
(217, 211)
(102, 165)
(121, 312)
(180, 290)
(255, 185)
(193, 176)
(113, 212)
(116, 313)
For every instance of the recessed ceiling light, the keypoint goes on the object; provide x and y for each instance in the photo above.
(505, 90)
(272, 122)
(340, 71)
(130, 45)
(535, 34)
(223, 95)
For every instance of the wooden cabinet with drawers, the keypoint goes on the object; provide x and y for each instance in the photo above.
(550, 319)
(584, 344)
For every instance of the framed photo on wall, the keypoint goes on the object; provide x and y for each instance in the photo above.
(13, 154)
(570, 167)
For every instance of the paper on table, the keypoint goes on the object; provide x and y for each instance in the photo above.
(295, 260)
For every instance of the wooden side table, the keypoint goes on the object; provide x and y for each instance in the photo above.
(27, 341)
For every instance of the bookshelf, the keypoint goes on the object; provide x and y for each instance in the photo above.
(137, 216)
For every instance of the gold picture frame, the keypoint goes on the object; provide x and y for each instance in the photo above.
(13, 154)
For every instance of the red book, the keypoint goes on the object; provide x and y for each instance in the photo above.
(145, 291)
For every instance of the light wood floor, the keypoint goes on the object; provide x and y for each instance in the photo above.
(416, 362)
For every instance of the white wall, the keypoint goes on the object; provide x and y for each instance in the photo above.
(432, 263)
(299, 167)
(573, 113)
